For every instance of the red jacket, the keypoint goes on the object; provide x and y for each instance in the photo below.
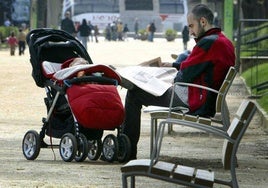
(207, 65)
(12, 41)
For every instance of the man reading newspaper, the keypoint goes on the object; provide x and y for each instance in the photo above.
(206, 65)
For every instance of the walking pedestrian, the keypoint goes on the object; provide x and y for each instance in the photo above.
(91, 28)
(22, 41)
(125, 31)
(136, 28)
(84, 31)
(13, 43)
(67, 24)
(151, 30)
(120, 29)
(108, 32)
(96, 33)
(185, 37)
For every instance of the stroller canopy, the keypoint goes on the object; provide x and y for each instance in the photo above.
(52, 45)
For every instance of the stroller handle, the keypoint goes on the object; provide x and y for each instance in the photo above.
(90, 79)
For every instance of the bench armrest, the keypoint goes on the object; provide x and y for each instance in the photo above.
(207, 128)
(195, 85)
(187, 84)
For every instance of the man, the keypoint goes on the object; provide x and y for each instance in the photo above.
(185, 37)
(67, 24)
(22, 41)
(136, 28)
(207, 65)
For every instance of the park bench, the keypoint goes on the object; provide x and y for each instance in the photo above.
(190, 176)
(221, 116)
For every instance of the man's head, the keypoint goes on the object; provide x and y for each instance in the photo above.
(67, 14)
(200, 19)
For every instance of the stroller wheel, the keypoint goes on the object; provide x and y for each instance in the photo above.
(124, 148)
(68, 147)
(82, 149)
(31, 145)
(110, 148)
(95, 148)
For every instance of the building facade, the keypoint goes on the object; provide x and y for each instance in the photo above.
(164, 13)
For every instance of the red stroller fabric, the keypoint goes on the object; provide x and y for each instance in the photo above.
(96, 106)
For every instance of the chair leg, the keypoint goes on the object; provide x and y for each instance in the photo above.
(153, 134)
(132, 181)
(170, 128)
(124, 181)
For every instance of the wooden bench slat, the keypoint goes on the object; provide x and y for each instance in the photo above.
(204, 177)
(190, 118)
(184, 173)
(243, 113)
(205, 121)
(136, 165)
(163, 168)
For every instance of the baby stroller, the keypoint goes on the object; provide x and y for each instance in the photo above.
(79, 109)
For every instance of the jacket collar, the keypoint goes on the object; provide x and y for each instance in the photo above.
(209, 32)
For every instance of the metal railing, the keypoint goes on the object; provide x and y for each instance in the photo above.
(250, 48)
(254, 41)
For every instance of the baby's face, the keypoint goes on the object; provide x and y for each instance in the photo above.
(80, 74)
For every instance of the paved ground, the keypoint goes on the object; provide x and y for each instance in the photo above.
(22, 108)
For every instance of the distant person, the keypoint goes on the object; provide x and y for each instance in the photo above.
(7, 23)
(67, 24)
(125, 31)
(13, 43)
(91, 28)
(114, 31)
(151, 30)
(22, 41)
(108, 32)
(120, 29)
(185, 37)
(84, 32)
(136, 28)
(96, 33)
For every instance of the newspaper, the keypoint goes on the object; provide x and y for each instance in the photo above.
(155, 80)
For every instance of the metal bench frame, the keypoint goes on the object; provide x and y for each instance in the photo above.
(189, 176)
(221, 116)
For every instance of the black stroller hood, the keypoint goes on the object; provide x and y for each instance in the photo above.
(52, 45)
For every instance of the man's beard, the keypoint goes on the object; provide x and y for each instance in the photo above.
(201, 31)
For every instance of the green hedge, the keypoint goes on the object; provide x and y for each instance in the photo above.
(6, 31)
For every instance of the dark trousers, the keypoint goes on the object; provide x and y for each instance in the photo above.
(135, 99)
(21, 47)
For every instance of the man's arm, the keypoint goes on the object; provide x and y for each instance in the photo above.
(180, 58)
(199, 60)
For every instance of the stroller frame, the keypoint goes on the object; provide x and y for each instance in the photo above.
(73, 144)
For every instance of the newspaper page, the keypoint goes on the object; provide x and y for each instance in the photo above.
(155, 80)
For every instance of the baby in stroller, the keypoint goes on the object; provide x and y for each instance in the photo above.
(82, 101)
